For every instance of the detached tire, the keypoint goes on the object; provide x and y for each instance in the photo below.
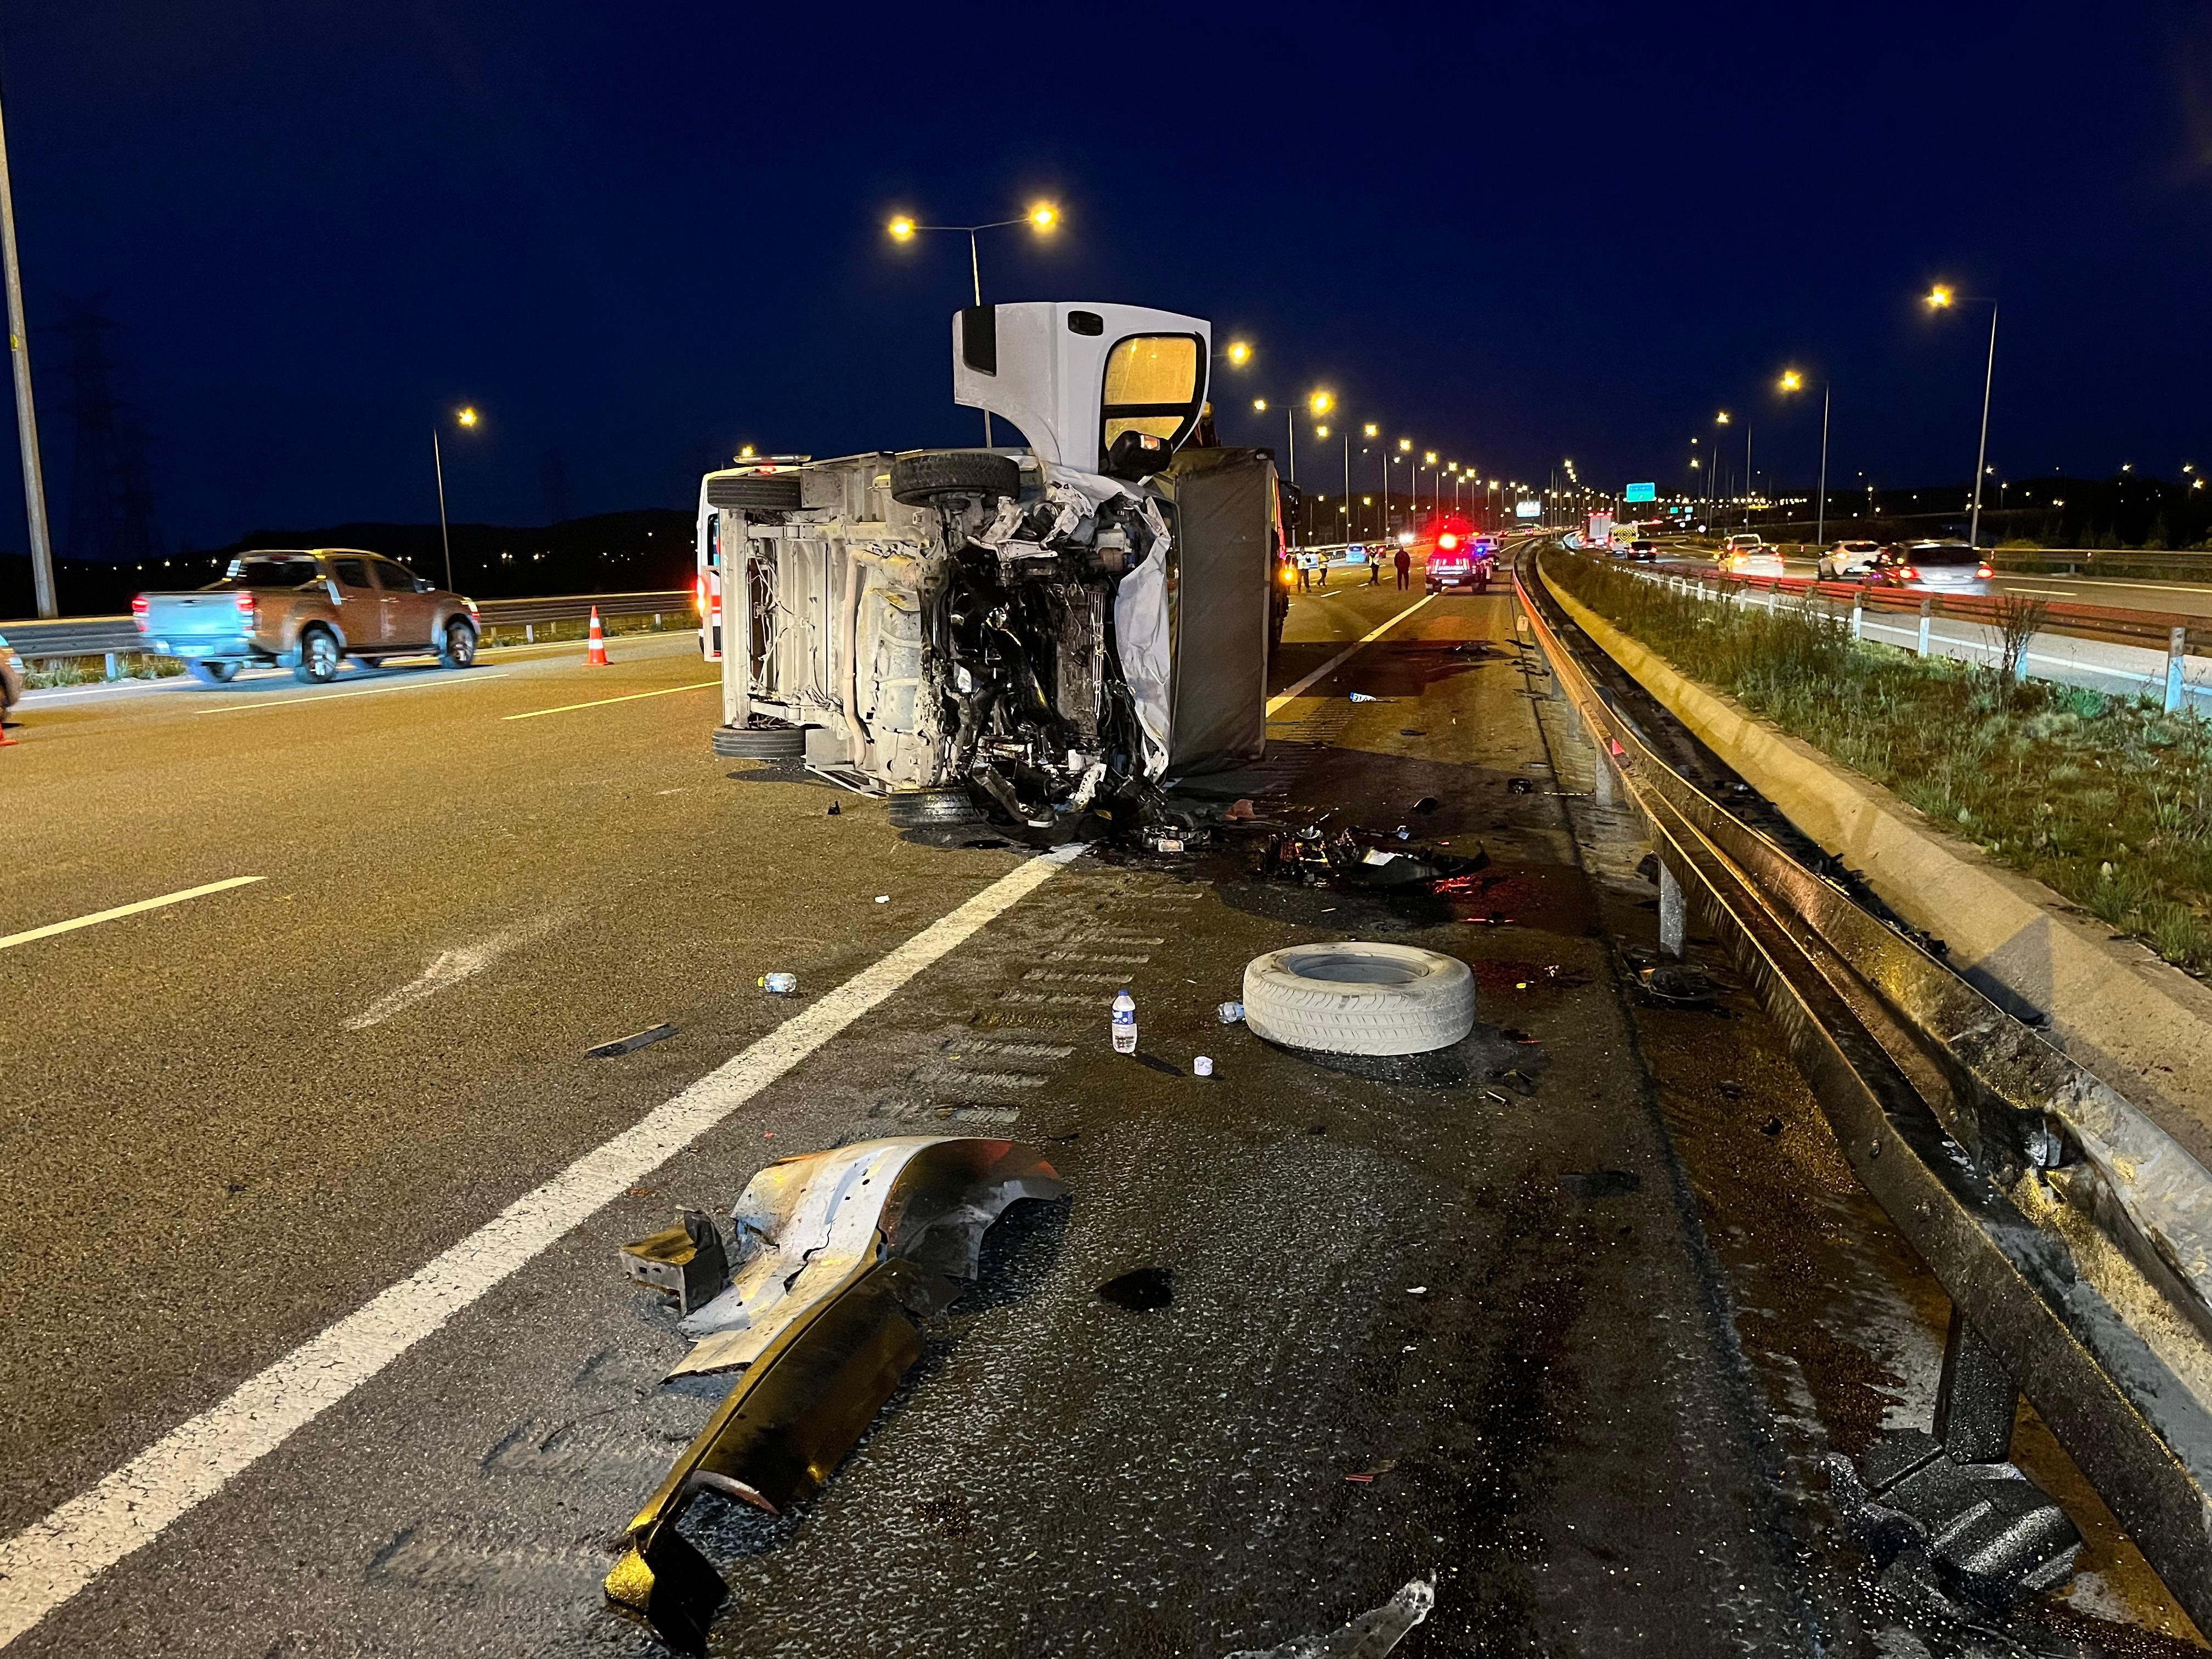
(760, 742)
(934, 808)
(1357, 998)
(919, 478)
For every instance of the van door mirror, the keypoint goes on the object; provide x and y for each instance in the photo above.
(1154, 386)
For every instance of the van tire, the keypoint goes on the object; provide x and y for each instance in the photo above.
(767, 492)
(919, 478)
(1357, 998)
(760, 742)
(933, 809)
(214, 673)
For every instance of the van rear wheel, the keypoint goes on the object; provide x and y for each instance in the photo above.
(214, 673)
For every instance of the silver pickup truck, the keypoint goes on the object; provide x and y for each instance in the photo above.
(308, 611)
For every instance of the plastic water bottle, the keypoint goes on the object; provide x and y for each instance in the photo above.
(1125, 1024)
(779, 985)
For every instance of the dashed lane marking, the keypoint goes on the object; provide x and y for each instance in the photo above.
(98, 916)
(48, 1561)
(601, 702)
(1283, 699)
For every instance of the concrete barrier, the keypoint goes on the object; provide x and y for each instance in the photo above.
(2136, 1021)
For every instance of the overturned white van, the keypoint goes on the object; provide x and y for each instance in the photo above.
(1027, 634)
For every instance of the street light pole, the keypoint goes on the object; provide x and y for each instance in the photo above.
(1820, 509)
(1043, 218)
(438, 460)
(26, 409)
(1981, 454)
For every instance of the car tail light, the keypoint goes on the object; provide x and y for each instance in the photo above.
(139, 607)
(1984, 571)
(475, 614)
(1447, 541)
(1288, 575)
(1908, 573)
(699, 594)
(245, 604)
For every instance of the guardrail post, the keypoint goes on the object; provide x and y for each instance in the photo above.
(1602, 791)
(530, 632)
(1674, 912)
(1975, 1400)
(1927, 612)
(115, 665)
(2176, 649)
(1858, 614)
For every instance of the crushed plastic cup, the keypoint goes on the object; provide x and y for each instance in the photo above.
(1231, 1013)
(779, 985)
(1202, 1066)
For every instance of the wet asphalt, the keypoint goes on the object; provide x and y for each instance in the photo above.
(1475, 1315)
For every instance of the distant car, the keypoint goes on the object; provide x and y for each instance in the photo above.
(1849, 562)
(1640, 550)
(1746, 556)
(308, 609)
(1460, 561)
(1942, 567)
(11, 678)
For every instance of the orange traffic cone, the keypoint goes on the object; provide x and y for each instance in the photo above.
(7, 742)
(596, 657)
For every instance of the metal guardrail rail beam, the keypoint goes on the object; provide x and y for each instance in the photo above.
(96, 636)
(1999, 1161)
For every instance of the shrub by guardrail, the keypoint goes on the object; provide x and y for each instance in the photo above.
(2106, 799)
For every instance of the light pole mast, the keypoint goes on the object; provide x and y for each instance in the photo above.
(26, 409)
(1981, 454)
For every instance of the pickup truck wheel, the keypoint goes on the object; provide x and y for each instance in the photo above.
(214, 673)
(319, 657)
(460, 649)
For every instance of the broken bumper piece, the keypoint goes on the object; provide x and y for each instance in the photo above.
(846, 1256)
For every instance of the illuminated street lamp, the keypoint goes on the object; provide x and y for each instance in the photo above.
(1793, 381)
(1043, 218)
(1942, 297)
(466, 418)
(1239, 354)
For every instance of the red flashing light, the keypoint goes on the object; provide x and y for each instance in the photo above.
(1447, 541)
(1983, 571)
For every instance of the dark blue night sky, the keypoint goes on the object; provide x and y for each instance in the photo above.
(638, 235)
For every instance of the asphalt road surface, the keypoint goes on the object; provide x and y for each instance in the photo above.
(1553, 1316)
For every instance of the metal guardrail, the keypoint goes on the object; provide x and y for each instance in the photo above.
(2070, 1232)
(2176, 634)
(96, 636)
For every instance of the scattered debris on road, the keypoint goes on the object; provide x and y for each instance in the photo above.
(778, 985)
(686, 1261)
(630, 1044)
(1202, 1066)
(1356, 997)
(1364, 859)
(1370, 1636)
(1678, 987)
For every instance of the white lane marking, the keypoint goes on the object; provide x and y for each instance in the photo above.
(446, 969)
(366, 691)
(2144, 588)
(11, 940)
(1330, 666)
(50, 1560)
(2052, 593)
(601, 702)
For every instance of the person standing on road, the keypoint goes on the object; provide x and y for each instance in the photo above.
(1373, 568)
(1305, 573)
(1321, 565)
(1404, 569)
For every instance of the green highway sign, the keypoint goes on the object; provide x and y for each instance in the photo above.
(1643, 492)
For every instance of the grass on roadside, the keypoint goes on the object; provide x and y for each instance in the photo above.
(2105, 800)
(89, 670)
